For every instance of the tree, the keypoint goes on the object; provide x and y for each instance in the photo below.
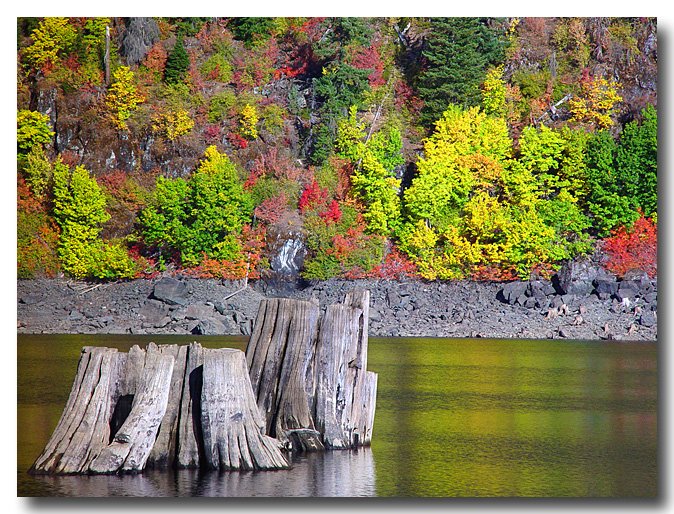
(79, 210)
(458, 52)
(201, 216)
(32, 129)
(177, 64)
(123, 96)
(53, 38)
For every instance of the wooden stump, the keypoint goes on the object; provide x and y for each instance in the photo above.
(312, 384)
(232, 425)
(147, 408)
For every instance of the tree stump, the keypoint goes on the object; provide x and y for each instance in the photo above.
(147, 409)
(312, 383)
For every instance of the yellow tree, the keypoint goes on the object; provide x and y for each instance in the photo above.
(123, 96)
(596, 102)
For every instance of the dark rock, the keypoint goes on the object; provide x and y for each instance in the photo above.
(75, 315)
(171, 291)
(153, 311)
(393, 298)
(576, 277)
(30, 299)
(556, 302)
(564, 333)
(650, 297)
(627, 290)
(605, 286)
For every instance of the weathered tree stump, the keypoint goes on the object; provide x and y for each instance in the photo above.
(312, 383)
(147, 408)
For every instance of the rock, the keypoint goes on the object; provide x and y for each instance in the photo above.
(30, 299)
(153, 311)
(511, 291)
(198, 311)
(576, 277)
(605, 286)
(209, 327)
(627, 290)
(393, 298)
(171, 291)
(564, 333)
(648, 319)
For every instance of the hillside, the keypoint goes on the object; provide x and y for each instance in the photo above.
(439, 148)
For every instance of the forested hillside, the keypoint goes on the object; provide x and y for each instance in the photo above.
(440, 148)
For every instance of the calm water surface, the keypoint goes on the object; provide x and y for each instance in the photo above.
(455, 417)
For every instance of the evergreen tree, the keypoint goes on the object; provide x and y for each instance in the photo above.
(458, 53)
(177, 63)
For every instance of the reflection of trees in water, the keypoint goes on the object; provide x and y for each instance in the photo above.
(345, 473)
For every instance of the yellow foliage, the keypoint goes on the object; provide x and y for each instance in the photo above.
(248, 122)
(595, 105)
(173, 124)
(123, 96)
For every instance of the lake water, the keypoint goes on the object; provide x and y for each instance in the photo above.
(454, 418)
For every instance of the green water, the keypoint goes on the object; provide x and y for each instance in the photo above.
(454, 418)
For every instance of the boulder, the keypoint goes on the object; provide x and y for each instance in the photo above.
(210, 327)
(576, 277)
(153, 311)
(171, 291)
(199, 311)
(648, 319)
(511, 291)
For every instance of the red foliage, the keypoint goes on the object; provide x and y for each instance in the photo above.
(275, 164)
(146, 266)
(395, 267)
(271, 210)
(25, 200)
(212, 132)
(333, 213)
(494, 274)
(70, 158)
(155, 59)
(252, 242)
(312, 196)
(636, 248)
(405, 97)
(344, 170)
(237, 140)
(368, 58)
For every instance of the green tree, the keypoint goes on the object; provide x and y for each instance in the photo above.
(177, 63)
(79, 211)
(202, 215)
(32, 129)
(458, 52)
(252, 30)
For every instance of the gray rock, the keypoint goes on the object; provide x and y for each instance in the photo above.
(199, 311)
(648, 319)
(209, 327)
(171, 291)
(576, 277)
(511, 291)
(627, 290)
(153, 311)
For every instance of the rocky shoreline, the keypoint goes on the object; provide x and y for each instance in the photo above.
(580, 303)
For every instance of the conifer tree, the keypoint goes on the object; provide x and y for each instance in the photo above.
(177, 63)
(458, 53)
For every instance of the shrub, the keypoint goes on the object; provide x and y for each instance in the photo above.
(633, 248)
(123, 96)
(32, 129)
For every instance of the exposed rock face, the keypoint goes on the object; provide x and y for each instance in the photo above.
(171, 291)
(138, 38)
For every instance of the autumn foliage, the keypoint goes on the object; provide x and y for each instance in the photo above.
(635, 248)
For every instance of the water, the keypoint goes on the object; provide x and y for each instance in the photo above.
(455, 418)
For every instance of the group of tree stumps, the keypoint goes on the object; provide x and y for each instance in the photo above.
(301, 385)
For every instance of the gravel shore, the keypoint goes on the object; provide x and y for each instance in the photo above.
(182, 305)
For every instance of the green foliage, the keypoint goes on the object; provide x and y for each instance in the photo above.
(173, 124)
(37, 239)
(622, 176)
(32, 129)
(458, 52)
(79, 210)
(494, 92)
(53, 39)
(38, 172)
(217, 67)
(252, 30)
(199, 216)
(220, 105)
(177, 64)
